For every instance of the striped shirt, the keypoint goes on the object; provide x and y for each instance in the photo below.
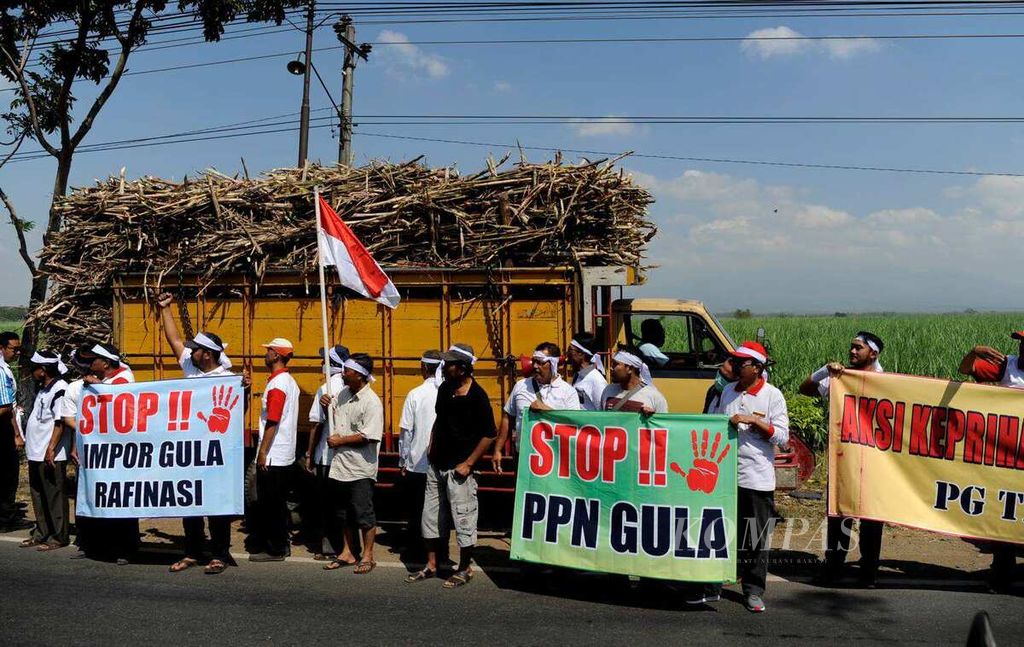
(8, 385)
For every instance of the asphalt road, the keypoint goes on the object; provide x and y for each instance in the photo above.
(51, 599)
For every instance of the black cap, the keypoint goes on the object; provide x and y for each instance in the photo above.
(339, 350)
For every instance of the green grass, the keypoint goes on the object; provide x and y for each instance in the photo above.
(15, 325)
(931, 345)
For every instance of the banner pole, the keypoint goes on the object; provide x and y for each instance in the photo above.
(323, 308)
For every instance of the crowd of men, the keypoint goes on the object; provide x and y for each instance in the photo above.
(446, 429)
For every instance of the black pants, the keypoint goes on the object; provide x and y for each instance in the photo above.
(754, 533)
(49, 502)
(837, 542)
(220, 537)
(1004, 565)
(323, 533)
(272, 514)
(10, 465)
(413, 488)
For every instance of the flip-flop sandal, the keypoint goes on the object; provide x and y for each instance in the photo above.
(215, 567)
(323, 557)
(419, 576)
(459, 578)
(362, 568)
(183, 565)
(29, 543)
(335, 564)
(47, 547)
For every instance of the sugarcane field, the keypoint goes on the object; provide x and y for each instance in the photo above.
(575, 322)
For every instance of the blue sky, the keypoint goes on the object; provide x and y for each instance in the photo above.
(761, 237)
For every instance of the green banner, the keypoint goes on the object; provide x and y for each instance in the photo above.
(625, 493)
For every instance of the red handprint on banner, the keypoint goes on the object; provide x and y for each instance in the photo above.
(220, 417)
(703, 477)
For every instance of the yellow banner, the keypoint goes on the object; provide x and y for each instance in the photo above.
(927, 453)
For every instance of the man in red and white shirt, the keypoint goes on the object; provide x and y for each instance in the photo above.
(758, 410)
(987, 365)
(119, 538)
(279, 418)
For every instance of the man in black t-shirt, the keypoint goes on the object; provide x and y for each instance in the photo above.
(463, 431)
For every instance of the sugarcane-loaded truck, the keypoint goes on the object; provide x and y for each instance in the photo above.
(502, 312)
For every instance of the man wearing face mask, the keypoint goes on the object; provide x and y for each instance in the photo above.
(545, 390)
(863, 356)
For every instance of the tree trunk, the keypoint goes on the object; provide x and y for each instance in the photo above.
(30, 335)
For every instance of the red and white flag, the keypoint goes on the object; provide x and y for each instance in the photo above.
(356, 268)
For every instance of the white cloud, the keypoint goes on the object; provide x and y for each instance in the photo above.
(737, 242)
(405, 60)
(504, 87)
(782, 41)
(610, 126)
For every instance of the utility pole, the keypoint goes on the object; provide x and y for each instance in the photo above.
(304, 111)
(346, 31)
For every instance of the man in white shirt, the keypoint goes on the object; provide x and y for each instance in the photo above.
(81, 359)
(545, 390)
(10, 439)
(588, 371)
(358, 419)
(279, 418)
(46, 448)
(202, 356)
(418, 415)
(759, 411)
(317, 460)
(863, 356)
(632, 388)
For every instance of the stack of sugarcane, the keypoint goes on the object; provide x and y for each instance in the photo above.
(529, 215)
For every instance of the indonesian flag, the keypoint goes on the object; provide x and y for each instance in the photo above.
(356, 268)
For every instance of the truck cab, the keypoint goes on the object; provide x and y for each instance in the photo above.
(679, 340)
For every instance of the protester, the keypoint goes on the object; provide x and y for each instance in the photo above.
(114, 538)
(987, 365)
(279, 417)
(723, 378)
(545, 390)
(632, 388)
(358, 418)
(317, 460)
(864, 351)
(202, 356)
(758, 410)
(463, 432)
(81, 359)
(46, 448)
(10, 439)
(418, 415)
(588, 371)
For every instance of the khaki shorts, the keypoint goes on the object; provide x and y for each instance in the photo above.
(450, 500)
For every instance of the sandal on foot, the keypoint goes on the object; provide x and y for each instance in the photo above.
(335, 564)
(323, 557)
(29, 543)
(419, 576)
(47, 546)
(215, 567)
(183, 565)
(458, 578)
(362, 568)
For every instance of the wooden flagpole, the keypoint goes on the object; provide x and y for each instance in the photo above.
(323, 308)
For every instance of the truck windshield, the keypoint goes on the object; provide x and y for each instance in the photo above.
(673, 342)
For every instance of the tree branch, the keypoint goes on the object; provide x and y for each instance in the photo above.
(84, 23)
(19, 225)
(37, 131)
(115, 76)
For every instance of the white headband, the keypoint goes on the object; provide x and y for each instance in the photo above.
(39, 359)
(541, 357)
(358, 368)
(104, 353)
(202, 340)
(870, 344)
(629, 359)
(438, 372)
(743, 351)
(592, 356)
(463, 351)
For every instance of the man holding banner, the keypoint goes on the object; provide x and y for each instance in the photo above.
(202, 356)
(987, 365)
(759, 411)
(864, 351)
(632, 388)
